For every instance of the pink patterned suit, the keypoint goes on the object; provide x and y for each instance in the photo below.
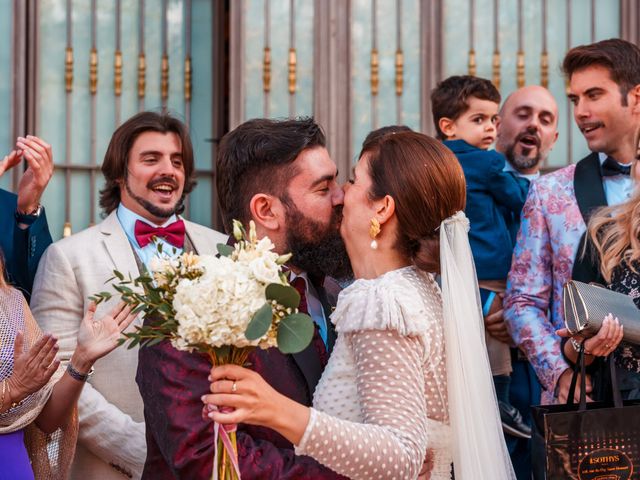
(551, 228)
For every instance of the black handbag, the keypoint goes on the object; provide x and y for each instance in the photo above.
(587, 441)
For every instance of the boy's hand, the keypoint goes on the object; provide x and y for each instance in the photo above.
(494, 321)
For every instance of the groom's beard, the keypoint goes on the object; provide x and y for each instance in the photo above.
(317, 249)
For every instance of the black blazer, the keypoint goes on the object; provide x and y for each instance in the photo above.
(590, 196)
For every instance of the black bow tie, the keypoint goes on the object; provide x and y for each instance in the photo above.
(611, 168)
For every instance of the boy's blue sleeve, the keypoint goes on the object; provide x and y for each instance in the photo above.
(505, 189)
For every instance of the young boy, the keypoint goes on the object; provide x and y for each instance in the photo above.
(465, 110)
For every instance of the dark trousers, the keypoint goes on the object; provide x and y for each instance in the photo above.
(525, 391)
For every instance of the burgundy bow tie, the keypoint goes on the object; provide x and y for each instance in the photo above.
(173, 233)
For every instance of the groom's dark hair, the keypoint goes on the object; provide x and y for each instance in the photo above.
(257, 157)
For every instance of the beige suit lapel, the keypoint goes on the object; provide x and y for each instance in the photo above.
(117, 245)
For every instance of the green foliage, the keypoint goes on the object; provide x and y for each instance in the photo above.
(225, 250)
(285, 295)
(260, 323)
(295, 333)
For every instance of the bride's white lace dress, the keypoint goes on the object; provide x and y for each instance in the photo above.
(382, 400)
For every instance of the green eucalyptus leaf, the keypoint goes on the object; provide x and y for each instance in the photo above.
(295, 333)
(283, 294)
(225, 250)
(260, 323)
(154, 341)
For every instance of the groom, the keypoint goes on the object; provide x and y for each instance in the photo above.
(278, 174)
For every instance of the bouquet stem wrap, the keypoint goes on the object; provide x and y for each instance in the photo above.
(225, 455)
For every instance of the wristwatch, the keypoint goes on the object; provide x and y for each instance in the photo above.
(29, 217)
(75, 374)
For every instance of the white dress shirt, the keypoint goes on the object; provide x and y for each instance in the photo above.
(618, 188)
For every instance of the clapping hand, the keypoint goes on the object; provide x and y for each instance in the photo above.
(34, 180)
(33, 368)
(96, 338)
(604, 342)
(10, 161)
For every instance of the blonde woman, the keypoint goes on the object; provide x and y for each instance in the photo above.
(37, 395)
(613, 256)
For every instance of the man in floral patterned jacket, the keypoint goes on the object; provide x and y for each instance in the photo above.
(605, 91)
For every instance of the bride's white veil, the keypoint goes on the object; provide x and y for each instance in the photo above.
(479, 449)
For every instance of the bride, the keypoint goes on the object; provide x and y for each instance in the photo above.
(408, 389)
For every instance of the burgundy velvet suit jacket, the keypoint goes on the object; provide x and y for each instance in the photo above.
(180, 442)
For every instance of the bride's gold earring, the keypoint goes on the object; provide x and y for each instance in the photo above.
(374, 231)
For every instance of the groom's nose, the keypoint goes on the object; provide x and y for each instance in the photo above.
(337, 195)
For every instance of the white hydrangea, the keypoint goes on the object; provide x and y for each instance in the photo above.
(216, 308)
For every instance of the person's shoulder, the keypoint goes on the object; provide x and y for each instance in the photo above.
(84, 240)
(561, 176)
(393, 301)
(493, 161)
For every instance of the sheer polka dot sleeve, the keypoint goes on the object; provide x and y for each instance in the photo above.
(392, 440)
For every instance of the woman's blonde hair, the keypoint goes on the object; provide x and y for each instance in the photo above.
(615, 233)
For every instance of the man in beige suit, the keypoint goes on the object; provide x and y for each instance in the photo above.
(149, 169)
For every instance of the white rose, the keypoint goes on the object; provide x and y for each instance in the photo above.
(265, 270)
(264, 245)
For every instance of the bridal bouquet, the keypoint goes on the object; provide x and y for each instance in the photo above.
(223, 306)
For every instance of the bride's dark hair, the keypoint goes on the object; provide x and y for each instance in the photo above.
(427, 184)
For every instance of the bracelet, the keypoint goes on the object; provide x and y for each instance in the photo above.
(76, 375)
(4, 388)
(14, 404)
(576, 346)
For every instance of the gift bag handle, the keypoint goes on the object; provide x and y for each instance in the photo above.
(578, 368)
(617, 397)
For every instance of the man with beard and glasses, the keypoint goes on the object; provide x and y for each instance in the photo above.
(604, 87)
(527, 130)
(149, 170)
(278, 174)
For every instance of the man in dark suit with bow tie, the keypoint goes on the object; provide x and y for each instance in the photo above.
(604, 87)
(24, 233)
(278, 174)
(149, 170)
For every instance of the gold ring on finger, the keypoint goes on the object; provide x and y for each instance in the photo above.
(234, 387)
